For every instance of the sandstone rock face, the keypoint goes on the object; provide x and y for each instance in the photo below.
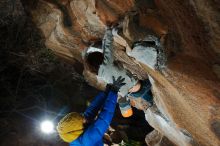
(155, 138)
(186, 90)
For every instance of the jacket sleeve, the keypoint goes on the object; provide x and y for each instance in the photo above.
(92, 111)
(95, 131)
(107, 46)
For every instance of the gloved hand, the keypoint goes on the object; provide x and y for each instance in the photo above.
(116, 85)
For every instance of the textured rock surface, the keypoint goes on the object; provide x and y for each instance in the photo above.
(155, 138)
(187, 90)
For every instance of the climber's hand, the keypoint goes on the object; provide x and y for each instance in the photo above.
(118, 82)
(116, 85)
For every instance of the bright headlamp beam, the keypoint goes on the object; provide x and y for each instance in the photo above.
(47, 127)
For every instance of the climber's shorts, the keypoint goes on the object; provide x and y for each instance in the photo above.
(144, 92)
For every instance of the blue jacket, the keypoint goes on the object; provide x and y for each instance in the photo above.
(93, 135)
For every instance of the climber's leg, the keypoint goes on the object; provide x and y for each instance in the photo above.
(144, 92)
(107, 45)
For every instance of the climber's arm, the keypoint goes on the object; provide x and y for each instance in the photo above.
(95, 132)
(95, 106)
(107, 46)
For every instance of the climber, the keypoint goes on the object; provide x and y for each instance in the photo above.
(147, 50)
(86, 129)
(110, 68)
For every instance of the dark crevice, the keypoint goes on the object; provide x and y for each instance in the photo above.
(94, 60)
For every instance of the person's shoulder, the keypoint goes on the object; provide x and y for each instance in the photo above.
(77, 142)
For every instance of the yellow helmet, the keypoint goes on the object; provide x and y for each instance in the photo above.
(70, 127)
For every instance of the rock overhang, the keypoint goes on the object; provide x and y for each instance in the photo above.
(183, 87)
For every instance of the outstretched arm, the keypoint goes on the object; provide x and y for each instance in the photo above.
(95, 106)
(96, 131)
(98, 102)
